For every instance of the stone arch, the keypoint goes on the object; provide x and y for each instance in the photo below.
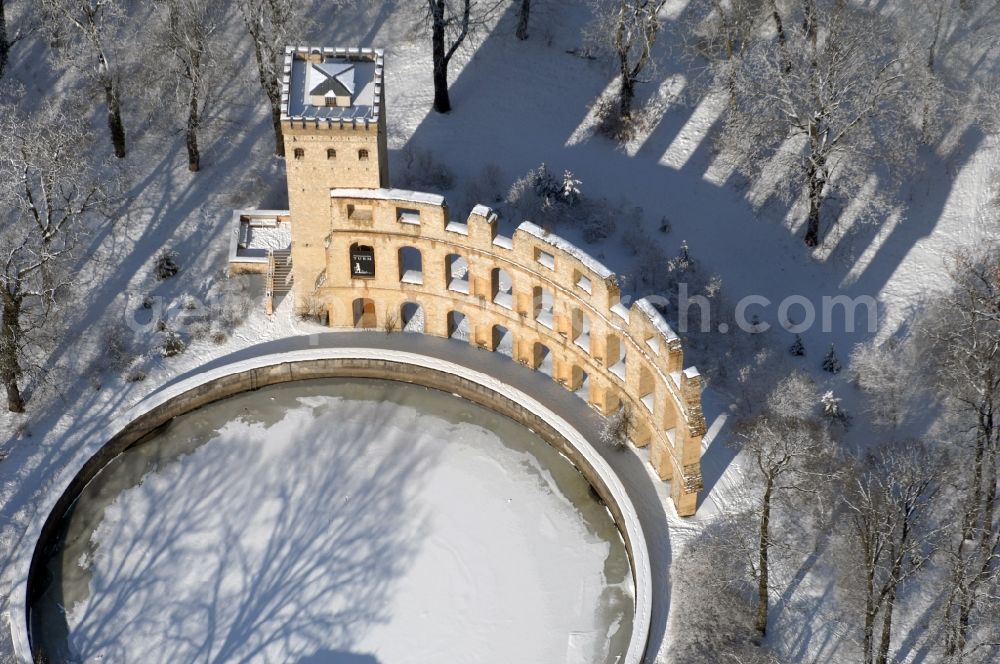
(458, 326)
(579, 382)
(542, 306)
(542, 359)
(364, 313)
(616, 353)
(502, 340)
(456, 273)
(411, 267)
(502, 288)
(580, 329)
(411, 317)
(645, 390)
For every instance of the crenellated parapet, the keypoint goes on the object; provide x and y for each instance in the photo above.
(391, 259)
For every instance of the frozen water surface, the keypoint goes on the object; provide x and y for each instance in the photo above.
(338, 521)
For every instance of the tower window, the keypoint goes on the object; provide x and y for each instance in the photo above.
(362, 155)
(300, 153)
(331, 153)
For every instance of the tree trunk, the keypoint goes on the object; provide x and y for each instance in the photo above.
(817, 181)
(10, 366)
(279, 140)
(268, 81)
(779, 27)
(522, 19)
(890, 602)
(115, 117)
(760, 622)
(627, 93)
(194, 157)
(4, 43)
(871, 610)
(442, 102)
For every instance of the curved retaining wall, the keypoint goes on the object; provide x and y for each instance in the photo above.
(561, 304)
(247, 375)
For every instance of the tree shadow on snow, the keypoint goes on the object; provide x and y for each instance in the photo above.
(321, 572)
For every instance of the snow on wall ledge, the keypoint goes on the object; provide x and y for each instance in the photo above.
(251, 374)
(561, 307)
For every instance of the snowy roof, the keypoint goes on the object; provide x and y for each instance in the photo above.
(553, 240)
(321, 71)
(331, 78)
(655, 318)
(389, 195)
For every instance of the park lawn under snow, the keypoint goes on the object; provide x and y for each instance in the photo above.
(517, 104)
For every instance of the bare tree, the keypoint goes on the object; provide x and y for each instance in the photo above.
(97, 24)
(4, 39)
(188, 31)
(889, 503)
(272, 24)
(26, 21)
(48, 192)
(821, 107)
(452, 21)
(782, 453)
(627, 29)
(955, 37)
(961, 336)
(889, 375)
(721, 32)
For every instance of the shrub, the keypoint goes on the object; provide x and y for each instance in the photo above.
(172, 344)
(313, 308)
(485, 188)
(420, 170)
(166, 264)
(618, 428)
(136, 376)
(597, 228)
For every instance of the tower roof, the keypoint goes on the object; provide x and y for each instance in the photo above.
(311, 72)
(335, 77)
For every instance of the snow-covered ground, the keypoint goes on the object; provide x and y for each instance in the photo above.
(331, 518)
(516, 104)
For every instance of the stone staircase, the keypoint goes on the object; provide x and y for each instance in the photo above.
(281, 278)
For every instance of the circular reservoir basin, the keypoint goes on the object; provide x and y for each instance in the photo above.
(337, 521)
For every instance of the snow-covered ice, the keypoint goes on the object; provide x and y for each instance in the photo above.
(343, 517)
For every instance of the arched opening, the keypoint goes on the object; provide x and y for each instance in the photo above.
(410, 266)
(412, 317)
(580, 383)
(615, 360)
(331, 153)
(363, 154)
(299, 153)
(503, 341)
(364, 313)
(456, 273)
(542, 359)
(580, 329)
(542, 306)
(458, 326)
(502, 288)
(646, 389)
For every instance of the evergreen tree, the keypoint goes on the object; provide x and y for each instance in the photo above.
(797, 348)
(831, 363)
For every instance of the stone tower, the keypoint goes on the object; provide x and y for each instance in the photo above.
(333, 122)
